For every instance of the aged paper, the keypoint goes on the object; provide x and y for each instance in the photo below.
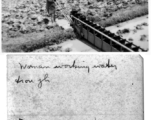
(75, 87)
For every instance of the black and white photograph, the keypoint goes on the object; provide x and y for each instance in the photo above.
(75, 60)
(75, 26)
(75, 87)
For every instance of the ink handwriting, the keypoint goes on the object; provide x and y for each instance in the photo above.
(45, 79)
(19, 80)
(26, 66)
(73, 65)
(40, 81)
(107, 65)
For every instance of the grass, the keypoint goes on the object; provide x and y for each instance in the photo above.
(124, 15)
(37, 40)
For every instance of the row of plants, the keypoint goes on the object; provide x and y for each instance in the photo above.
(54, 36)
(122, 15)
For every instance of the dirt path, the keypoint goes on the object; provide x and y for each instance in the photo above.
(63, 23)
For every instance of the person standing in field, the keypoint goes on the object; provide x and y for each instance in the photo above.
(50, 7)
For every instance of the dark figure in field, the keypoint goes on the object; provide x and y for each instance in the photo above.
(50, 7)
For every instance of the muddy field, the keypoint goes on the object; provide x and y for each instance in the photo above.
(26, 26)
(135, 31)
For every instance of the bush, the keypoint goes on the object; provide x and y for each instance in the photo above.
(145, 24)
(143, 38)
(130, 39)
(139, 27)
(126, 30)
